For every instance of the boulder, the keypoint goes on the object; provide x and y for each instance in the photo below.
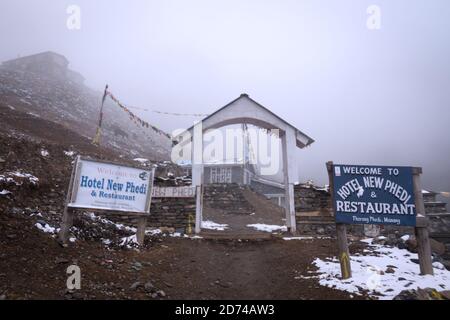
(422, 294)
(446, 294)
(135, 285)
(411, 244)
(149, 287)
(390, 270)
(437, 247)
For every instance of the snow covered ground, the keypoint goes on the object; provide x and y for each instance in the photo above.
(381, 271)
(46, 228)
(141, 160)
(210, 225)
(304, 238)
(267, 227)
(17, 178)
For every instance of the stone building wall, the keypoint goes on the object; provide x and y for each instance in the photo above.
(176, 213)
(46, 63)
(308, 199)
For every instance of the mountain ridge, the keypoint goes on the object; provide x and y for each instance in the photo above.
(41, 85)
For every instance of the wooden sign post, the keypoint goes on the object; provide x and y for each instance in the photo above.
(341, 233)
(67, 218)
(140, 232)
(421, 229)
(199, 206)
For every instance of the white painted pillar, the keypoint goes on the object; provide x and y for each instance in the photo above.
(197, 172)
(290, 171)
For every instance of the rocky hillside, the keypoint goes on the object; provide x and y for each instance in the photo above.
(41, 92)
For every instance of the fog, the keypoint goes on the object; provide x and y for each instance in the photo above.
(367, 96)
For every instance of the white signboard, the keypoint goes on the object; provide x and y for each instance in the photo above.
(174, 192)
(107, 186)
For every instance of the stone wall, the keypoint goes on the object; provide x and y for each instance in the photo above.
(440, 230)
(176, 213)
(309, 198)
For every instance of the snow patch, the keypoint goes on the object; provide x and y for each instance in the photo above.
(305, 238)
(118, 226)
(141, 160)
(369, 273)
(9, 177)
(46, 228)
(129, 241)
(153, 232)
(210, 225)
(405, 237)
(267, 227)
(33, 114)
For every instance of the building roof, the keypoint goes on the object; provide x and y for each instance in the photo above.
(41, 54)
(303, 143)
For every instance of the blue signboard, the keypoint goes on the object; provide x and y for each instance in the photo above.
(374, 195)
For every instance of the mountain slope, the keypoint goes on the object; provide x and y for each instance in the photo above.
(69, 103)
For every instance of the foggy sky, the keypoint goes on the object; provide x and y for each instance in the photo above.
(366, 96)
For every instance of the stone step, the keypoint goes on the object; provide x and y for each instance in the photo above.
(228, 198)
(317, 222)
(444, 238)
(227, 235)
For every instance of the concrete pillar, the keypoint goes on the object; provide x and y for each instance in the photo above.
(197, 172)
(289, 147)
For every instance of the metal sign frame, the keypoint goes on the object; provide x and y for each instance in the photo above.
(368, 194)
(76, 179)
(67, 218)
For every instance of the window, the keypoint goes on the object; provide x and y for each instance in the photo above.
(220, 175)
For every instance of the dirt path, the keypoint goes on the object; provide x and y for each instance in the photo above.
(247, 270)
